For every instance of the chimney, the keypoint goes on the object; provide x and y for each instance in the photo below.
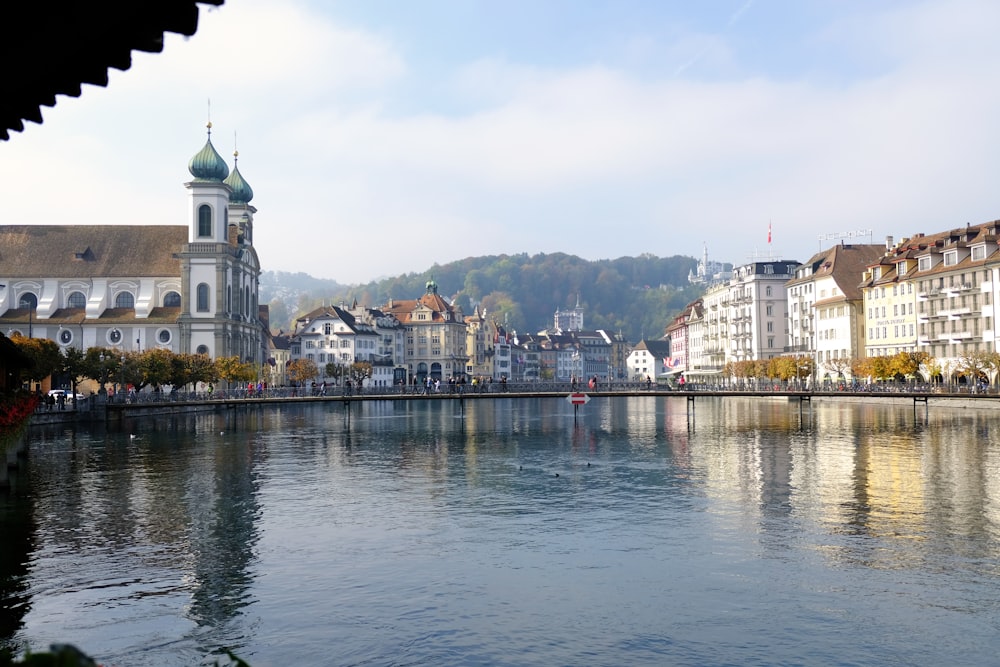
(888, 243)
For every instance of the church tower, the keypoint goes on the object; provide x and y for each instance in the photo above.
(220, 269)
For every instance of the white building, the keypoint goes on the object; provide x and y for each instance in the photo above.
(188, 288)
(826, 308)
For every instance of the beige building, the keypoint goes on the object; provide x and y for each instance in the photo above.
(435, 335)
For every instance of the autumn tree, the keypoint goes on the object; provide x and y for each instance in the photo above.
(154, 367)
(782, 368)
(231, 369)
(188, 369)
(301, 371)
(44, 355)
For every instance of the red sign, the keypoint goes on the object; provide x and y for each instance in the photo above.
(578, 398)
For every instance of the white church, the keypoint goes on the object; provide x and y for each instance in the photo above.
(187, 288)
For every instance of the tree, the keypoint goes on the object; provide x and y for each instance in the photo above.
(783, 368)
(360, 370)
(974, 366)
(188, 369)
(231, 369)
(302, 370)
(906, 364)
(101, 364)
(74, 367)
(839, 366)
(335, 370)
(44, 355)
(155, 367)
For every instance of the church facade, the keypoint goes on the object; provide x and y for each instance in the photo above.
(189, 288)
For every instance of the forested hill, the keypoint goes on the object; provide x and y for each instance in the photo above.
(636, 295)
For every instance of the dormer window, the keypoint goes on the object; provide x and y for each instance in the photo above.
(924, 263)
(877, 272)
(951, 258)
(978, 252)
(901, 269)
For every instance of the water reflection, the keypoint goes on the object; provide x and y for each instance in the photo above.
(420, 531)
(18, 530)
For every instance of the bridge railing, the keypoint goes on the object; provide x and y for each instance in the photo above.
(554, 388)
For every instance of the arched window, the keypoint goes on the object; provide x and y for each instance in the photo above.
(246, 301)
(28, 300)
(76, 300)
(125, 300)
(202, 349)
(202, 297)
(229, 298)
(172, 300)
(204, 220)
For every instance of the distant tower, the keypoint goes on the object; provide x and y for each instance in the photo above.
(570, 320)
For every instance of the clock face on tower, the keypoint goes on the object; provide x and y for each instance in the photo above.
(114, 336)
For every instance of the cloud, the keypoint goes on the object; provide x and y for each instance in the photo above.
(357, 175)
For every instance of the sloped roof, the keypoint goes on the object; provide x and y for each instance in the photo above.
(91, 251)
(657, 348)
(52, 48)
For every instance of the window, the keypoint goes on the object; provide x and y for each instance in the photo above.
(202, 349)
(951, 258)
(76, 300)
(901, 269)
(124, 300)
(202, 297)
(172, 300)
(924, 263)
(115, 336)
(163, 335)
(28, 300)
(767, 290)
(65, 336)
(204, 220)
(978, 252)
(327, 329)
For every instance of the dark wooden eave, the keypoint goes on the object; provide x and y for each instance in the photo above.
(53, 48)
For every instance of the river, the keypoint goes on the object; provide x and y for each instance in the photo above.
(508, 532)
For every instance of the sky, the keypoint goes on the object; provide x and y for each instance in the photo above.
(383, 136)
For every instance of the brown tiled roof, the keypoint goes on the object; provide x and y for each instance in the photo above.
(70, 316)
(845, 263)
(91, 251)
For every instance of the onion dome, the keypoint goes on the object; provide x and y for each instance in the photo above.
(242, 192)
(207, 164)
